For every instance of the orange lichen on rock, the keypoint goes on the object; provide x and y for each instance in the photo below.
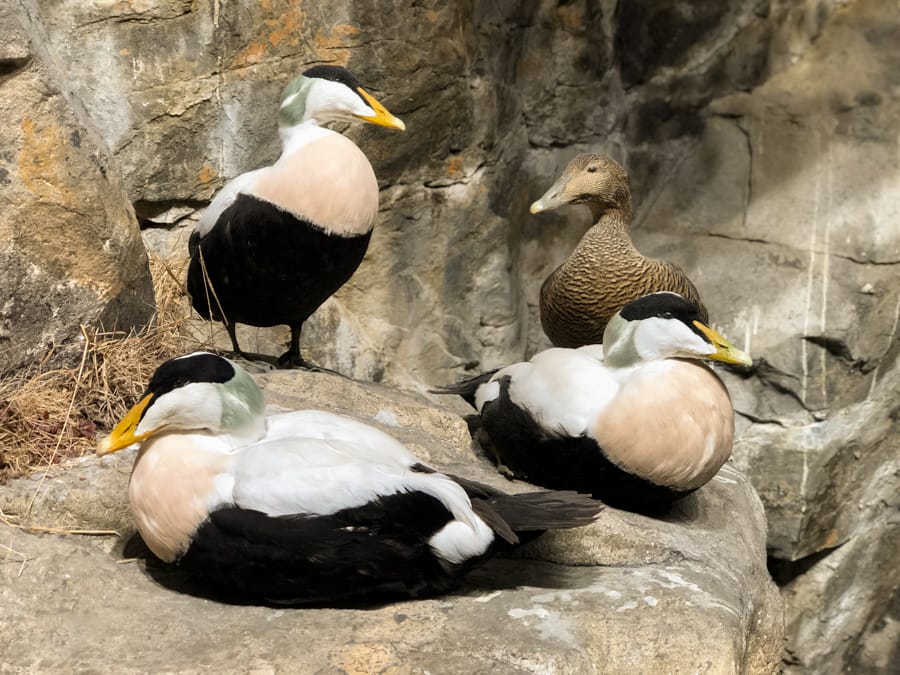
(571, 17)
(455, 166)
(207, 173)
(252, 53)
(334, 42)
(41, 162)
(71, 205)
(286, 28)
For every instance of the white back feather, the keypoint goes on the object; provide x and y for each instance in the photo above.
(563, 388)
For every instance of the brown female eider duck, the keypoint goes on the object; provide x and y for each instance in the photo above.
(305, 506)
(277, 242)
(638, 427)
(605, 270)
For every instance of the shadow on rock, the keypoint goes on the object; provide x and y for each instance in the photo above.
(494, 575)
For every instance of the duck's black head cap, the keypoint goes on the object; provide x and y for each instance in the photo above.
(334, 74)
(663, 305)
(182, 370)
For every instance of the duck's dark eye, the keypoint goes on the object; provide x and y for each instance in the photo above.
(592, 169)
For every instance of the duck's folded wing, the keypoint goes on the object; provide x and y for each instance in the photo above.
(224, 198)
(356, 437)
(563, 389)
(313, 476)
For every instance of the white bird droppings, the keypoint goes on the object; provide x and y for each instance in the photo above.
(631, 604)
(550, 625)
(387, 418)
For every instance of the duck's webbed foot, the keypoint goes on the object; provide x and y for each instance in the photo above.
(294, 360)
(289, 360)
(490, 450)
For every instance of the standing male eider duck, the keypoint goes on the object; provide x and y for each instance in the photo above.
(638, 428)
(277, 242)
(305, 506)
(605, 270)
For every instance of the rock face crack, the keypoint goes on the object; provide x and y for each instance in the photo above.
(749, 197)
(143, 18)
(750, 240)
(760, 420)
(838, 348)
(785, 571)
(815, 251)
(8, 66)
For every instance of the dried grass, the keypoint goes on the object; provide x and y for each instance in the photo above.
(49, 415)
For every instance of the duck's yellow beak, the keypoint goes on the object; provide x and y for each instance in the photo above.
(124, 434)
(725, 351)
(381, 116)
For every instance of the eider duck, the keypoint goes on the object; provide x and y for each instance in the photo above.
(277, 242)
(605, 270)
(305, 506)
(637, 427)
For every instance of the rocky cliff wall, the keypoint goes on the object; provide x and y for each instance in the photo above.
(70, 248)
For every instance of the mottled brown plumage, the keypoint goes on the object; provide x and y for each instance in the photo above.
(605, 271)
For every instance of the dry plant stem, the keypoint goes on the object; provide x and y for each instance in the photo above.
(23, 558)
(11, 551)
(182, 287)
(111, 377)
(84, 355)
(39, 529)
(46, 415)
(207, 283)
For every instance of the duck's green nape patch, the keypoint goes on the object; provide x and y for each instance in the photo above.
(619, 350)
(246, 402)
(293, 102)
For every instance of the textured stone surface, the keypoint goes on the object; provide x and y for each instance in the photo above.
(70, 250)
(865, 620)
(686, 593)
(785, 213)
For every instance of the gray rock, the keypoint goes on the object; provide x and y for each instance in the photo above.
(784, 214)
(860, 633)
(70, 250)
(626, 594)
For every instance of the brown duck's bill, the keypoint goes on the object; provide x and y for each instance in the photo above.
(123, 434)
(382, 116)
(725, 351)
(552, 198)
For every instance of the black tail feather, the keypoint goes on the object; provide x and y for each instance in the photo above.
(553, 510)
(465, 388)
(511, 515)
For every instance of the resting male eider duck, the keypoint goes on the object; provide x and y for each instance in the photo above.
(605, 270)
(305, 506)
(638, 428)
(277, 242)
